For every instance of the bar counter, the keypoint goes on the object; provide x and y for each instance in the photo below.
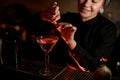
(29, 70)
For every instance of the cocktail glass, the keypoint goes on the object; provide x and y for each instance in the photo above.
(46, 43)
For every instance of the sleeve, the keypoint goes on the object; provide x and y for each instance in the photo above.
(108, 34)
(85, 60)
(104, 49)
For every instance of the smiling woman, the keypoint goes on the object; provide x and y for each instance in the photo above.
(89, 9)
(87, 35)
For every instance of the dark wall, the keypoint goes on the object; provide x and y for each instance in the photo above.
(112, 11)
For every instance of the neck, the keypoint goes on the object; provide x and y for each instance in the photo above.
(84, 19)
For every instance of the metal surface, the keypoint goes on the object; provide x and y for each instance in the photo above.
(59, 72)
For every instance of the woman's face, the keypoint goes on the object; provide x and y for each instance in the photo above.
(88, 9)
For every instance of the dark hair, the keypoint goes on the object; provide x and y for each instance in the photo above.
(107, 2)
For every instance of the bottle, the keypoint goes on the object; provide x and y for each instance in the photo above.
(102, 73)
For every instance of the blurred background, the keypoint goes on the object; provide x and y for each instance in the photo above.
(112, 11)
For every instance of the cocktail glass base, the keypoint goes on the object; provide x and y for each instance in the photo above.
(44, 72)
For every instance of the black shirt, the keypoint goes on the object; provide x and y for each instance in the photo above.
(95, 39)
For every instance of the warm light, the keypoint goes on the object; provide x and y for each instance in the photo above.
(17, 27)
(3, 26)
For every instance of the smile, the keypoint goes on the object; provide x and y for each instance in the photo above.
(85, 10)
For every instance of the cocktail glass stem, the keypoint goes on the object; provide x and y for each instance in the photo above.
(47, 71)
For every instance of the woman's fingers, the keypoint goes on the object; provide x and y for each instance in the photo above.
(66, 26)
(52, 13)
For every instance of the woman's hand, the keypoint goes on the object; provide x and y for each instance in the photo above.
(51, 14)
(67, 32)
